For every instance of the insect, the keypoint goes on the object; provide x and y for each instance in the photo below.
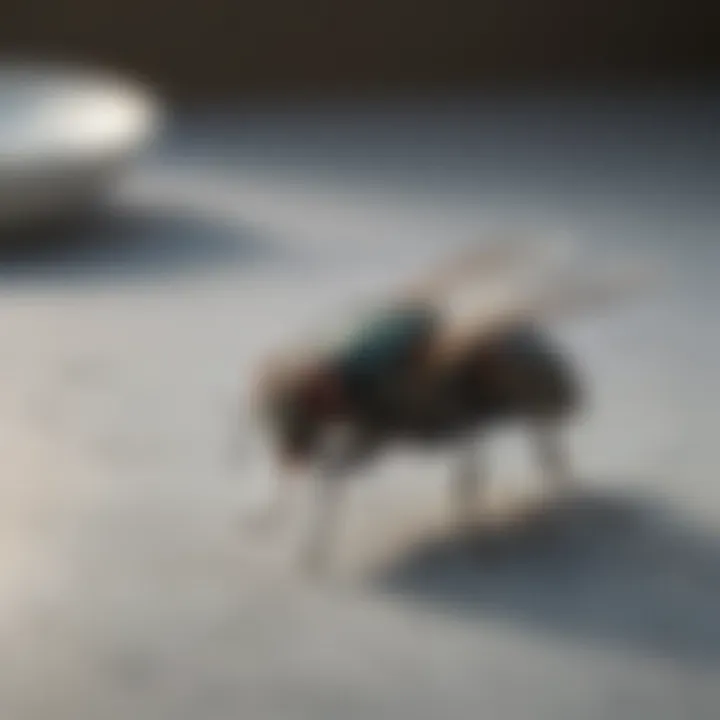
(413, 374)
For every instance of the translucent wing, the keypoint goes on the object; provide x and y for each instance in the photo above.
(501, 259)
(547, 300)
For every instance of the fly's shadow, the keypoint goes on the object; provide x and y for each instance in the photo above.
(604, 569)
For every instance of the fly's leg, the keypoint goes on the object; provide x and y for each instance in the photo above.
(553, 459)
(322, 532)
(468, 483)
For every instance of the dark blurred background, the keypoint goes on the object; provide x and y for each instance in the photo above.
(215, 48)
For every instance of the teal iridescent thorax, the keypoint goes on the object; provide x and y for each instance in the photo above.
(385, 339)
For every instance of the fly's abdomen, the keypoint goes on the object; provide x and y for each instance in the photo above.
(522, 374)
(542, 380)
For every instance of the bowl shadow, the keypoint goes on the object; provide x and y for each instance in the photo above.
(132, 243)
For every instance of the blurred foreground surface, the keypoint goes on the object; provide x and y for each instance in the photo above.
(128, 586)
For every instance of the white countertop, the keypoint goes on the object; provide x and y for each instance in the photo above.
(135, 592)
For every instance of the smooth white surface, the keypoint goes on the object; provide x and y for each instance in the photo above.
(152, 604)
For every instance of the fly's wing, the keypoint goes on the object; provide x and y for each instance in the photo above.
(580, 296)
(489, 259)
(554, 299)
(499, 258)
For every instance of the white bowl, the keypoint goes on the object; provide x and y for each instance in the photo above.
(65, 135)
